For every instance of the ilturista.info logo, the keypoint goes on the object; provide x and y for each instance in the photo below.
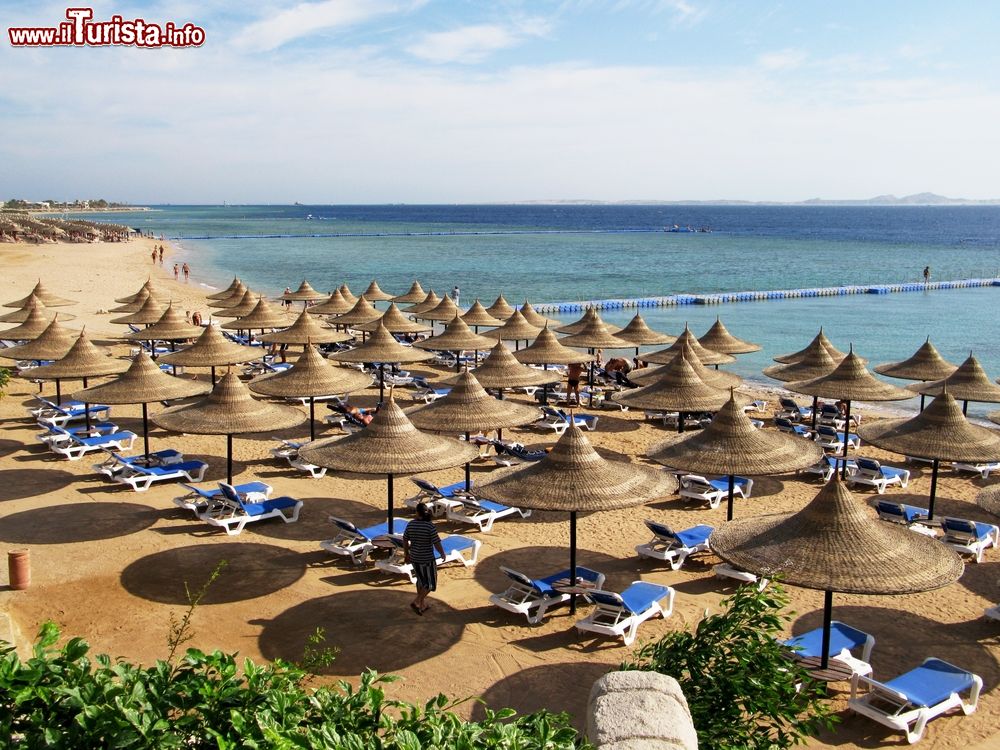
(81, 30)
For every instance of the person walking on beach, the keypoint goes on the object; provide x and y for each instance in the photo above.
(287, 302)
(187, 271)
(177, 271)
(573, 373)
(456, 293)
(927, 274)
(154, 256)
(161, 255)
(420, 539)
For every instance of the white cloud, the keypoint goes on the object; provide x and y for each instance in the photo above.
(306, 19)
(473, 44)
(786, 59)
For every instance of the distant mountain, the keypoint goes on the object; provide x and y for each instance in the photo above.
(917, 199)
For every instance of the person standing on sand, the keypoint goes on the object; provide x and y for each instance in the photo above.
(420, 539)
(154, 256)
(177, 271)
(573, 373)
(187, 271)
(161, 255)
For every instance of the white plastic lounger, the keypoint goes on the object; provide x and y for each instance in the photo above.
(674, 547)
(969, 537)
(725, 570)
(620, 615)
(906, 703)
(558, 420)
(355, 543)
(712, 491)
(910, 516)
(200, 499)
(233, 513)
(833, 440)
(871, 472)
(791, 410)
(784, 424)
(844, 642)
(77, 447)
(289, 450)
(981, 469)
(59, 415)
(116, 464)
(438, 499)
(482, 513)
(64, 435)
(533, 597)
(140, 478)
(457, 548)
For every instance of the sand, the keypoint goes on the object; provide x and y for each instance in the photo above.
(111, 565)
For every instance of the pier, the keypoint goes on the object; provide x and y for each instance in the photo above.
(720, 298)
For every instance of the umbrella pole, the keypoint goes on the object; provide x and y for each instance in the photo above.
(213, 376)
(58, 393)
(814, 409)
(847, 439)
(680, 421)
(312, 418)
(86, 410)
(934, 473)
(572, 560)
(922, 397)
(458, 361)
(145, 428)
(827, 618)
(389, 499)
(468, 469)
(545, 388)
(729, 507)
(965, 408)
(229, 458)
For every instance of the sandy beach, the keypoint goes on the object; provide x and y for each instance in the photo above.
(111, 565)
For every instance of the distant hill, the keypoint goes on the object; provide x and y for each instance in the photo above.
(917, 199)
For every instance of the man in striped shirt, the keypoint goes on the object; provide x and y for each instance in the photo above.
(419, 542)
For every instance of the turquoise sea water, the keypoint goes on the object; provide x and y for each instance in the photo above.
(569, 253)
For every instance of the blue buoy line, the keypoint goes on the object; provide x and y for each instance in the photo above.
(443, 233)
(755, 296)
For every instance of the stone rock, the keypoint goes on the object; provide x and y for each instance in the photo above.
(639, 711)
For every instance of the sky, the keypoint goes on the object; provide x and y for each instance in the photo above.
(454, 101)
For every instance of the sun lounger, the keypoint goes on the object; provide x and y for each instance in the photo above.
(59, 435)
(907, 515)
(558, 420)
(871, 472)
(969, 537)
(438, 499)
(234, 510)
(983, 469)
(77, 446)
(844, 642)
(355, 543)
(832, 440)
(620, 615)
(827, 466)
(289, 450)
(482, 513)
(784, 424)
(725, 570)
(533, 597)
(116, 464)
(140, 478)
(755, 406)
(457, 548)
(429, 395)
(50, 414)
(712, 491)
(513, 454)
(674, 547)
(791, 410)
(200, 499)
(906, 703)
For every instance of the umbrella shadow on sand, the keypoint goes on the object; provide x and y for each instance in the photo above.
(552, 687)
(402, 638)
(9, 447)
(16, 484)
(538, 562)
(76, 522)
(251, 570)
(314, 520)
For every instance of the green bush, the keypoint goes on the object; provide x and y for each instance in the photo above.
(743, 690)
(4, 380)
(59, 698)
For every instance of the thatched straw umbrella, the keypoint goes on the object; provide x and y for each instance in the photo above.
(135, 303)
(306, 329)
(457, 337)
(231, 299)
(212, 349)
(415, 294)
(305, 294)
(34, 325)
(335, 304)
(968, 383)
(237, 307)
(849, 381)
(361, 312)
(394, 322)
(594, 335)
(836, 543)
(516, 329)
(230, 409)
(547, 350)
(501, 370)
(222, 294)
(54, 342)
(170, 326)
(84, 360)
(345, 291)
(143, 383)
(446, 309)
(821, 340)
(534, 319)
(41, 292)
(574, 478)
(262, 317)
(429, 303)
(310, 376)
(375, 294)
(815, 364)
(678, 388)
(715, 378)
(589, 316)
(705, 356)
(500, 309)
(389, 445)
(150, 312)
(148, 289)
(35, 307)
(639, 334)
(469, 408)
(925, 364)
(382, 348)
(731, 445)
(939, 433)
(719, 339)
(477, 316)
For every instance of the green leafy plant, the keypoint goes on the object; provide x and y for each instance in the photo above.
(741, 687)
(4, 380)
(61, 698)
(180, 631)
